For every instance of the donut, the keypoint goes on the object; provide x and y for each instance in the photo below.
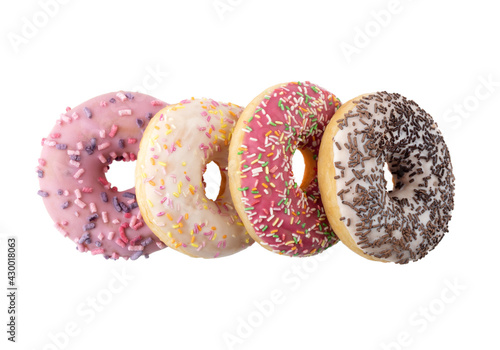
(366, 133)
(72, 168)
(177, 145)
(280, 215)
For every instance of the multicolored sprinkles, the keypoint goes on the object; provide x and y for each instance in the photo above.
(184, 138)
(286, 219)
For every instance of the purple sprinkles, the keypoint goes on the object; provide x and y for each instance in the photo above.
(87, 111)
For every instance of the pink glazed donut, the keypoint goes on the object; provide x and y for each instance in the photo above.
(72, 167)
(281, 215)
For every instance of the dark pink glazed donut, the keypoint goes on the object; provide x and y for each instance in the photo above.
(72, 174)
(279, 214)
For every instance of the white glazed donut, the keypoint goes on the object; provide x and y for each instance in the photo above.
(406, 223)
(175, 149)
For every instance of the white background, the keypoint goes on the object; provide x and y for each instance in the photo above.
(439, 53)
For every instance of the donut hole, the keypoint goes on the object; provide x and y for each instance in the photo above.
(304, 163)
(298, 168)
(389, 186)
(121, 175)
(212, 179)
